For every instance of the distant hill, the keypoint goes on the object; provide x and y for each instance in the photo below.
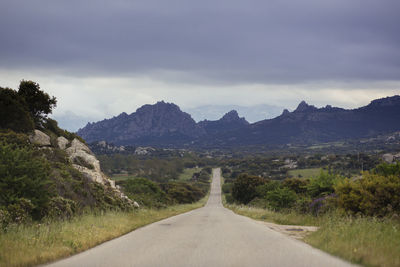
(308, 124)
(158, 124)
(164, 124)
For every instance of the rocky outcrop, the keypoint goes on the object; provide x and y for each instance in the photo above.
(62, 142)
(39, 138)
(141, 151)
(83, 160)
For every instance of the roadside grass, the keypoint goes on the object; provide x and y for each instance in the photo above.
(367, 241)
(27, 245)
(188, 173)
(305, 173)
(363, 240)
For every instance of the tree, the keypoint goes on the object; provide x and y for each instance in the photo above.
(244, 187)
(39, 103)
(14, 113)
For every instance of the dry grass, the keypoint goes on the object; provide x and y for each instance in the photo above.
(27, 245)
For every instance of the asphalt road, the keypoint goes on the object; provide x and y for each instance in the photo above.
(209, 236)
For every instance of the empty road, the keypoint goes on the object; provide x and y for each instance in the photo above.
(209, 236)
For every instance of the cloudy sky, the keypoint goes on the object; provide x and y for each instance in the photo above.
(103, 57)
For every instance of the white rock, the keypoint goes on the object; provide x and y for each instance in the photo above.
(136, 205)
(62, 142)
(39, 138)
(388, 158)
(77, 145)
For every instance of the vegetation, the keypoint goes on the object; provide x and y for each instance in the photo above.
(311, 172)
(26, 108)
(24, 184)
(357, 218)
(364, 240)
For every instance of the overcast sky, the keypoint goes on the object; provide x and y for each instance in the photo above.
(100, 58)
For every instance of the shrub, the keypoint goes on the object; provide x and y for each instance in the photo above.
(20, 211)
(229, 198)
(14, 139)
(323, 184)
(386, 169)
(60, 207)
(297, 185)
(262, 190)
(281, 198)
(227, 188)
(181, 192)
(373, 195)
(22, 175)
(145, 192)
(244, 187)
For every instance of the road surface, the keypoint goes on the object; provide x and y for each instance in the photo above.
(209, 236)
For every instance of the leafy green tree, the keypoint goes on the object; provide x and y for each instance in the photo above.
(22, 175)
(39, 103)
(14, 113)
(244, 187)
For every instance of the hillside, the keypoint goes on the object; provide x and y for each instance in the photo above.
(165, 125)
(45, 171)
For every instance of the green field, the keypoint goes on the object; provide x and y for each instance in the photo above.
(305, 173)
(188, 173)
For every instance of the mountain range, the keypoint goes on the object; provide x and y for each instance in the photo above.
(165, 125)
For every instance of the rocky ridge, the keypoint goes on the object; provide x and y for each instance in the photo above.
(165, 125)
(81, 158)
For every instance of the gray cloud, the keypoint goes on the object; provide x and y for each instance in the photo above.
(220, 41)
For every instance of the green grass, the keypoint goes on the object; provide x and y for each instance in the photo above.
(364, 240)
(188, 173)
(305, 173)
(27, 245)
(122, 177)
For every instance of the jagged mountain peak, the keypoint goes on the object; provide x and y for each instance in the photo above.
(303, 106)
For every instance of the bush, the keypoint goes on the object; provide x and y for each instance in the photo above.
(323, 185)
(262, 190)
(244, 187)
(182, 193)
(297, 185)
(227, 188)
(386, 169)
(229, 198)
(20, 211)
(24, 176)
(281, 198)
(145, 192)
(373, 195)
(60, 207)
